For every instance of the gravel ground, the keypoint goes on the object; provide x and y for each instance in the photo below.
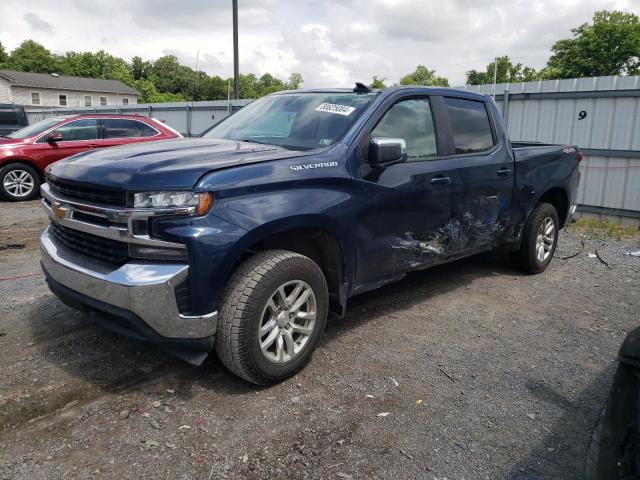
(466, 371)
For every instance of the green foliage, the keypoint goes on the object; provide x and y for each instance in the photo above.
(295, 81)
(508, 72)
(378, 83)
(94, 65)
(423, 76)
(603, 229)
(608, 46)
(139, 68)
(162, 80)
(32, 57)
(3, 55)
(254, 87)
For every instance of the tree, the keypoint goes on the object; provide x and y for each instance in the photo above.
(167, 74)
(32, 57)
(295, 80)
(423, 76)
(3, 55)
(608, 46)
(508, 72)
(140, 68)
(95, 65)
(149, 94)
(378, 83)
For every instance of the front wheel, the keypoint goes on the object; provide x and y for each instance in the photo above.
(272, 314)
(19, 182)
(539, 239)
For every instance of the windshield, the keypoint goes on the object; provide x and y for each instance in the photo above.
(36, 128)
(296, 121)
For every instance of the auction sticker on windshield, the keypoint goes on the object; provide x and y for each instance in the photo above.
(334, 108)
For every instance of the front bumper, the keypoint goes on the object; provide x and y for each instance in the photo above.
(140, 288)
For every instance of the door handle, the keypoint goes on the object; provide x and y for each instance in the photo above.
(440, 180)
(504, 172)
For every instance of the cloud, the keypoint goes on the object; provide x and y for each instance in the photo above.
(330, 42)
(38, 23)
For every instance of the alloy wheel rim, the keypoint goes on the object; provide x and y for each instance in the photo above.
(287, 322)
(545, 239)
(18, 183)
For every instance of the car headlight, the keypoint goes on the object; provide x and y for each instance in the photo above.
(201, 201)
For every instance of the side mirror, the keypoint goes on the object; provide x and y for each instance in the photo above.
(387, 151)
(54, 138)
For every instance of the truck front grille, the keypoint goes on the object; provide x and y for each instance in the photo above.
(93, 194)
(104, 249)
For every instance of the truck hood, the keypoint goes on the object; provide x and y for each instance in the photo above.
(164, 164)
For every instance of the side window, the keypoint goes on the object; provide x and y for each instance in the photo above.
(8, 117)
(87, 100)
(470, 125)
(122, 128)
(125, 101)
(35, 98)
(62, 100)
(411, 120)
(103, 101)
(78, 130)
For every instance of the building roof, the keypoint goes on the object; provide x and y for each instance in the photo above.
(62, 82)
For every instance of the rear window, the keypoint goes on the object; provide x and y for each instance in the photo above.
(470, 125)
(122, 128)
(8, 117)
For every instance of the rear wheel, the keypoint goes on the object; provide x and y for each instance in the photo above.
(539, 239)
(19, 182)
(272, 315)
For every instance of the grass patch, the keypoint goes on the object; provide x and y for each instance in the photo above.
(605, 229)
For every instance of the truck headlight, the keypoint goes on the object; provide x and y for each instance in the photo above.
(201, 201)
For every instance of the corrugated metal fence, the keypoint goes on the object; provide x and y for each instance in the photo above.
(189, 118)
(600, 115)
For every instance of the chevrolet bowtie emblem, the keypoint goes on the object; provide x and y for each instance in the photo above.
(58, 210)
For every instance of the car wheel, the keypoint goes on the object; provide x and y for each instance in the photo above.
(272, 314)
(19, 182)
(539, 239)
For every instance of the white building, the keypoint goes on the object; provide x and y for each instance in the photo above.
(38, 90)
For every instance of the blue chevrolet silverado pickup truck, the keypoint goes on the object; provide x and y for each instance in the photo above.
(244, 240)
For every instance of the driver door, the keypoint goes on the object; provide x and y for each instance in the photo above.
(405, 207)
(77, 136)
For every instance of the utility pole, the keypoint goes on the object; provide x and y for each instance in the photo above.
(236, 67)
(495, 77)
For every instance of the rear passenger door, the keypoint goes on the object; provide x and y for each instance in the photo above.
(482, 175)
(117, 131)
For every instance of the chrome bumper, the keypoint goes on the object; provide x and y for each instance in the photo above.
(141, 287)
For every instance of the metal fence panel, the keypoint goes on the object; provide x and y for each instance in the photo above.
(189, 118)
(601, 115)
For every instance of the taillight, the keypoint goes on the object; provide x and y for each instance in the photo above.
(580, 156)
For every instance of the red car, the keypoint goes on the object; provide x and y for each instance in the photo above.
(25, 153)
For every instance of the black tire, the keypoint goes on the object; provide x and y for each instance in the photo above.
(526, 258)
(24, 171)
(243, 304)
(614, 447)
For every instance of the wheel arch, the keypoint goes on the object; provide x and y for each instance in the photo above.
(559, 198)
(316, 237)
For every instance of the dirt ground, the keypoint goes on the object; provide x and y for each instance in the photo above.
(466, 371)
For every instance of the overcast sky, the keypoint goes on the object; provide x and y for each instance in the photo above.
(332, 42)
